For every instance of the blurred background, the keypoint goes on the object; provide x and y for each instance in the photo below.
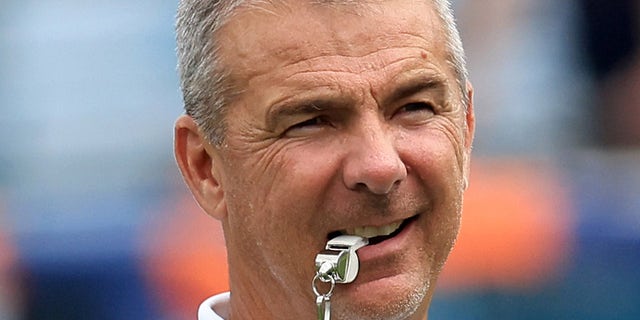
(96, 223)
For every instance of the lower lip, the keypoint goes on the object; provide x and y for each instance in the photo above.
(387, 247)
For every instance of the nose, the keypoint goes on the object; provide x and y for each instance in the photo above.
(373, 162)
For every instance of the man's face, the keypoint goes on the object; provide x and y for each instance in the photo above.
(348, 118)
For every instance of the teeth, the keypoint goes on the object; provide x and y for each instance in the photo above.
(370, 232)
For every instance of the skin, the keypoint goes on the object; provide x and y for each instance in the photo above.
(347, 117)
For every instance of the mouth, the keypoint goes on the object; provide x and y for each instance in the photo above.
(375, 234)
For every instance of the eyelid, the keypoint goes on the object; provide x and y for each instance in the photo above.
(417, 83)
(427, 105)
(311, 123)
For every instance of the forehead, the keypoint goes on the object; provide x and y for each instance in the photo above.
(265, 37)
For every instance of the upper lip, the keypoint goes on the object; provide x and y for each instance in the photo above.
(369, 213)
(378, 223)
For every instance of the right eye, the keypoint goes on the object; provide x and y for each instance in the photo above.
(307, 127)
(308, 123)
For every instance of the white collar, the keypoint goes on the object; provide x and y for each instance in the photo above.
(215, 308)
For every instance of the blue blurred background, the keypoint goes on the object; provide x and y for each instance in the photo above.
(95, 222)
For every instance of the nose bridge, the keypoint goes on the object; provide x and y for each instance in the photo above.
(373, 161)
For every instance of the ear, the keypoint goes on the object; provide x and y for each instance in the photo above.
(196, 159)
(470, 128)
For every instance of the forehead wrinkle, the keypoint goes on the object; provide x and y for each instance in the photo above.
(354, 64)
(375, 82)
(298, 47)
(266, 61)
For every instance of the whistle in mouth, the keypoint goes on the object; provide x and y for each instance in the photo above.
(339, 259)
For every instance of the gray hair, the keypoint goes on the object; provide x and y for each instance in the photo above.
(204, 80)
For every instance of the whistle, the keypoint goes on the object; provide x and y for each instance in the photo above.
(339, 259)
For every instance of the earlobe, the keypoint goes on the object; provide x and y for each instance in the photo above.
(198, 167)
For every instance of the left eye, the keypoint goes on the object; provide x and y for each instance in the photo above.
(415, 113)
(417, 106)
(307, 123)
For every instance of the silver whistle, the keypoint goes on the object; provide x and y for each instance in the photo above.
(339, 259)
(337, 263)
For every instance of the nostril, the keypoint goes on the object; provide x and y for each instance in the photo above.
(360, 186)
(383, 182)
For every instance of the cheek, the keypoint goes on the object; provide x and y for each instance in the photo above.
(268, 233)
(302, 171)
(433, 160)
(276, 199)
(434, 156)
(275, 217)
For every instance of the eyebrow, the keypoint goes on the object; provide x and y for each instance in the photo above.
(314, 104)
(418, 84)
(300, 107)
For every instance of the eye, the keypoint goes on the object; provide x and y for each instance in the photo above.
(415, 112)
(307, 123)
(417, 106)
(307, 126)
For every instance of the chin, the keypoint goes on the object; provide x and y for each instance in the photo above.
(381, 300)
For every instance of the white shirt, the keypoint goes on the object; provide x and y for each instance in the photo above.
(215, 308)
